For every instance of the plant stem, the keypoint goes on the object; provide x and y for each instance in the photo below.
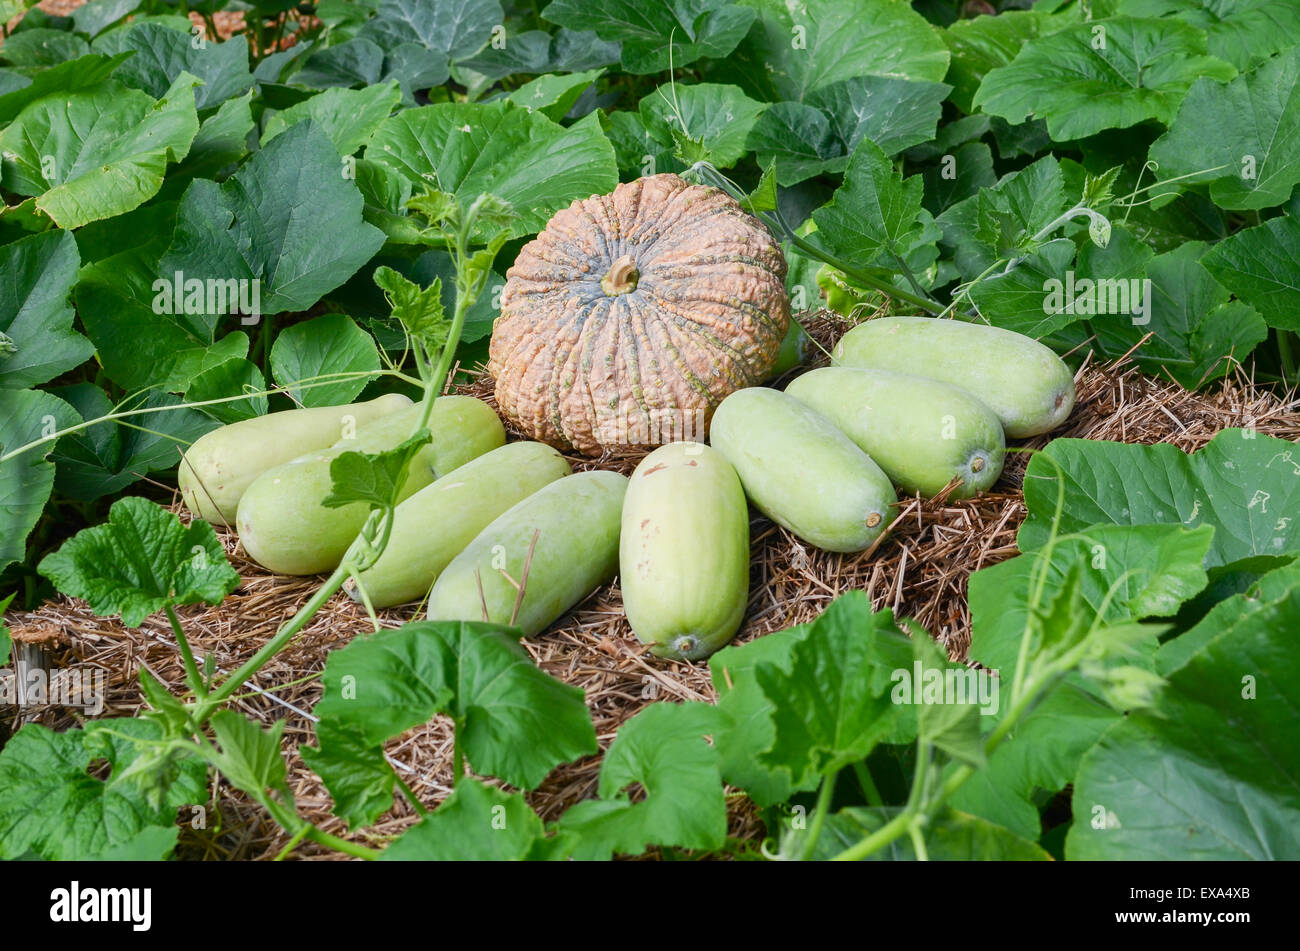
(273, 646)
(292, 843)
(341, 845)
(887, 833)
(409, 793)
(192, 673)
(863, 772)
(824, 796)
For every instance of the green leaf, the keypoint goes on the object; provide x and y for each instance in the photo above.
(228, 378)
(107, 457)
(332, 343)
(140, 561)
(222, 141)
(663, 750)
(1147, 570)
(747, 729)
(455, 30)
(834, 703)
(796, 49)
(347, 116)
(35, 315)
(376, 479)
(265, 224)
(658, 33)
(875, 212)
(807, 139)
(163, 55)
(1018, 299)
(97, 15)
(1261, 266)
(951, 836)
(1239, 31)
(949, 721)
(39, 47)
(357, 775)
(950, 181)
(554, 95)
(985, 42)
(498, 148)
(1199, 335)
(476, 823)
(513, 720)
(98, 152)
(78, 74)
(706, 122)
(250, 757)
(418, 309)
(1253, 159)
(1211, 772)
(1262, 588)
(26, 480)
(52, 805)
(5, 640)
(1243, 484)
(1104, 74)
(354, 62)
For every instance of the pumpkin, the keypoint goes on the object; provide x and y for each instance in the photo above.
(633, 314)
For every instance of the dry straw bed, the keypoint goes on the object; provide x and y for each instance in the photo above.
(920, 571)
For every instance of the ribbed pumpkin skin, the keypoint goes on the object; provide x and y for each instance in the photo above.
(579, 368)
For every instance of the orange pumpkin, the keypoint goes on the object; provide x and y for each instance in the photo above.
(633, 314)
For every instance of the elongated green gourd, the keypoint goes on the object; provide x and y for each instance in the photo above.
(575, 521)
(802, 472)
(435, 524)
(283, 525)
(216, 471)
(922, 432)
(684, 555)
(1027, 385)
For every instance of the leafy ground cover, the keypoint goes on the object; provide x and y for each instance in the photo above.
(322, 207)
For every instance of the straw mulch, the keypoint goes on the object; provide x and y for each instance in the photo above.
(920, 571)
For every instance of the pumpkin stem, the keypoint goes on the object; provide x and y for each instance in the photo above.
(621, 278)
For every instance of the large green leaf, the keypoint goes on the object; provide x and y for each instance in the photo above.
(476, 823)
(1018, 299)
(986, 42)
(1254, 155)
(1214, 771)
(512, 720)
(26, 479)
(833, 704)
(1198, 333)
(141, 560)
(332, 343)
(1261, 266)
(78, 74)
(265, 224)
(53, 806)
(658, 33)
(523, 157)
(453, 28)
(795, 49)
(707, 122)
(35, 315)
(347, 116)
(663, 749)
(747, 728)
(1240, 31)
(876, 213)
(1107, 74)
(97, 152)
(108, 457)
(819, 135)
(1245, 485)
(162, 55)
